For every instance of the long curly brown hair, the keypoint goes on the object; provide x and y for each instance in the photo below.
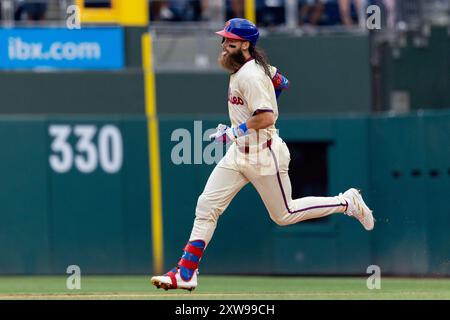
(260, 58)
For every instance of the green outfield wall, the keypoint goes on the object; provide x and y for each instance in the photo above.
(63, 203)
(75, 191)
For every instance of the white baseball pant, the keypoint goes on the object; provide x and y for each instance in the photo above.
(267, 170)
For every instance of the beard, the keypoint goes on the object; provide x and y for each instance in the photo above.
(232, 61)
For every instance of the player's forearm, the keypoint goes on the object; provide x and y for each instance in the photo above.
(261, 120)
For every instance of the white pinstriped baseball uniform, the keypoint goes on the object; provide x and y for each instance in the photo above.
(251, 159)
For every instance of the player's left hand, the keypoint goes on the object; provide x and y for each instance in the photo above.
(224, 134)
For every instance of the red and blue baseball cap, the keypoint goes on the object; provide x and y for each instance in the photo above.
(240, 29)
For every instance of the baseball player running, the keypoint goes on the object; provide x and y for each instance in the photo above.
(256, 154)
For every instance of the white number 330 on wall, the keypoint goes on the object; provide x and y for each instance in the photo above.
(108, 151)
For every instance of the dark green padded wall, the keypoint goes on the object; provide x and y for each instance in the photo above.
(97, 220)
(101, 221)
(25, 245)
(410, 180)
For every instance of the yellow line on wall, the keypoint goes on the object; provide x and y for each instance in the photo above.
(154, 154)
(250, 10)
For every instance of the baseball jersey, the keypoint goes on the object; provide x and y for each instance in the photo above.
(251, 90)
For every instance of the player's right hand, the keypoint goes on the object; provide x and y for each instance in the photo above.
(224, 134)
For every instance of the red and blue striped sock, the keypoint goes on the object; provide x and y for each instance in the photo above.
(192, 254)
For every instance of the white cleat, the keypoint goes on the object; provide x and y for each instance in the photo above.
(358, 209)
(173, 280)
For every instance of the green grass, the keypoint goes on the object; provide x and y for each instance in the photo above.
(225, 288)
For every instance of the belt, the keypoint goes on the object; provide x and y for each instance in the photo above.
(246, 149)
